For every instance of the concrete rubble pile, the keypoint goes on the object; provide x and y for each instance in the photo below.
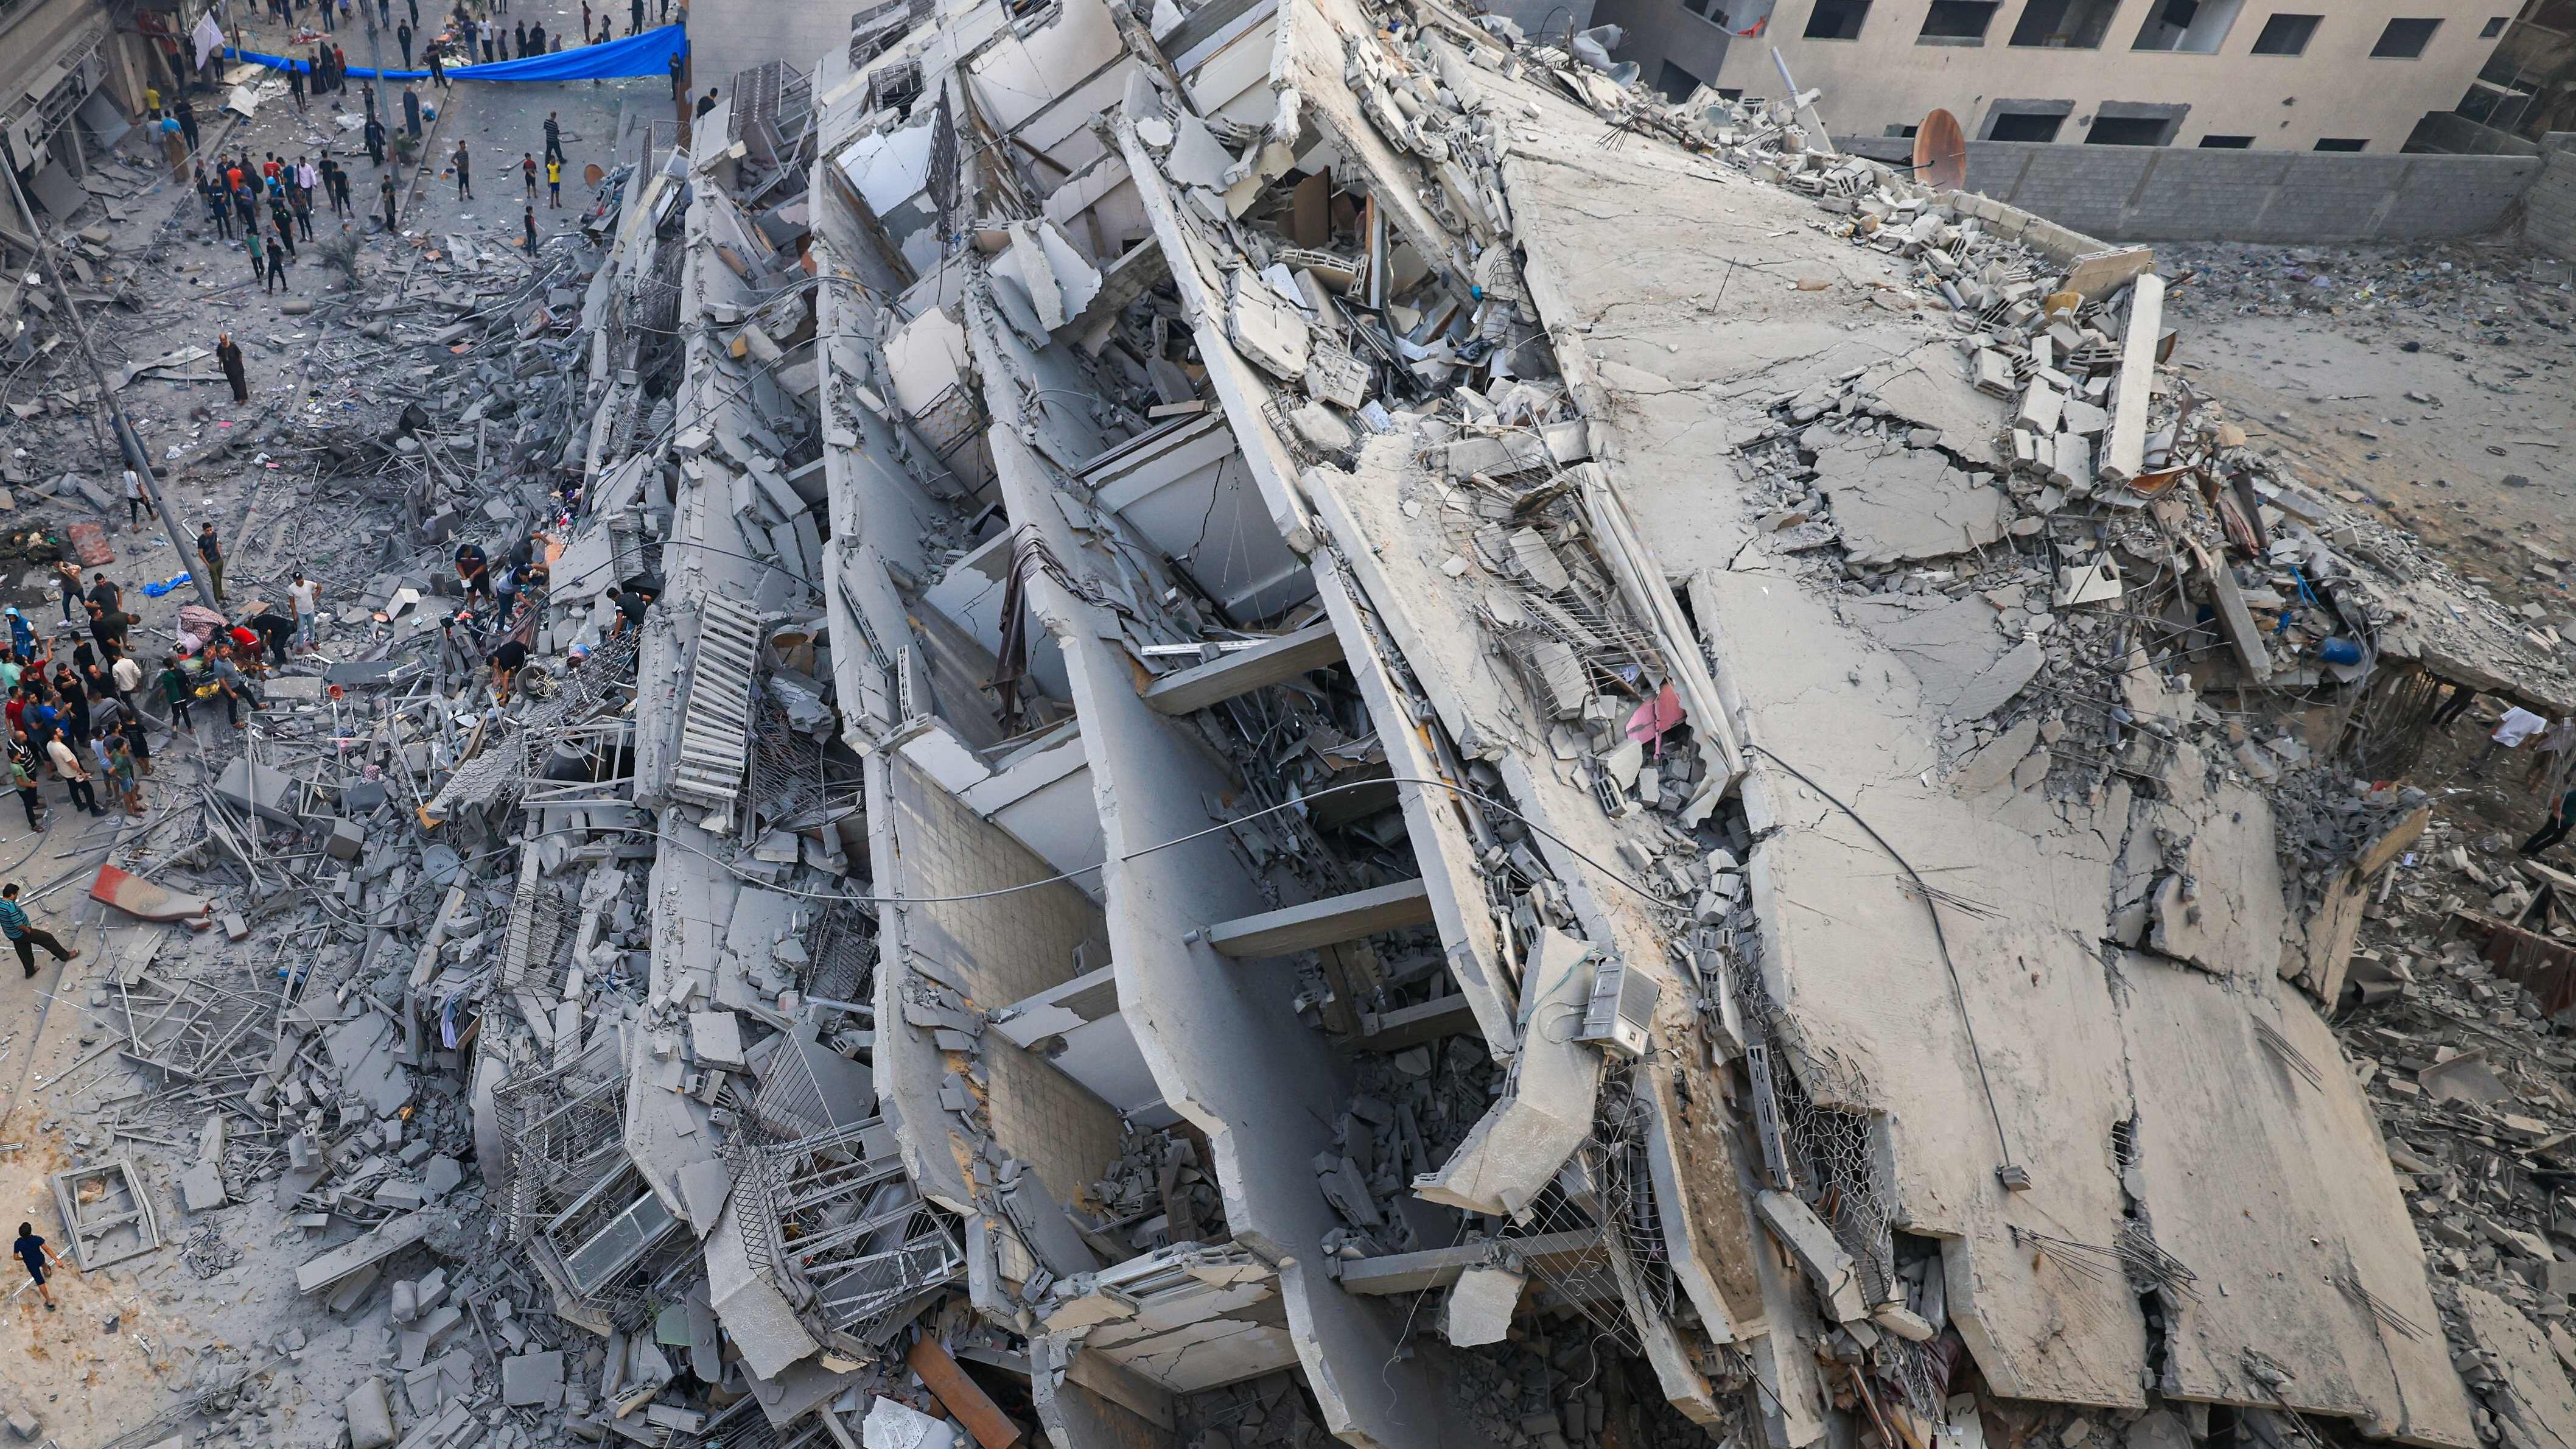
(1348, 736)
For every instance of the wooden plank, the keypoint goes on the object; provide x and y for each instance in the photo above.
(1273, 661)
(1323, 923)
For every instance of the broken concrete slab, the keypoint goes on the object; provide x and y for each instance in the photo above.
(1897, 503)
(532, 1381)
(143, 900)
(1805, 1235)
(1481, 1304)
(2534, 1405)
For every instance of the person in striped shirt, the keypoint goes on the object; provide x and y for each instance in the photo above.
(22, 933)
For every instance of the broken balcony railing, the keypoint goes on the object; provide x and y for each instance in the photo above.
(566, 1129)
(834, 1225)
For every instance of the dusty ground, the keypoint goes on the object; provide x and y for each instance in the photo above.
(134, 1342)
(2434, 384)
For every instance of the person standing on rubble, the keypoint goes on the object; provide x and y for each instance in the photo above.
(67, 583)
(528, 172)
(528, 219)
(136, 505)
(554, 186)
(24, 781)
(306, 598)
(554, 136)
(277, 253)
(300, 197)
(212, 551)
(385, 184)
(464, 173)
(127, 676)
(34, 1251)
(22, 638)
(228, 354)
(2562, 818)
(474, 569)
(76, 784)
(438, 66)
(402, 37)
(187, 115)
(234, 685)
(411, 111)
(340, 201)
(177, 691)
(375, 139)
(219, 204)
(24, 937)
(124, 774)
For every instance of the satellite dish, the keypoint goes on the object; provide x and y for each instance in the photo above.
(593, 175)
(1941, 152)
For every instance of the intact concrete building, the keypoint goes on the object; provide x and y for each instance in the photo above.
(2209, 73)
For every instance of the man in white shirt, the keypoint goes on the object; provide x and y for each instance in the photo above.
(2517, 725)
(67, 764)
(306, 596)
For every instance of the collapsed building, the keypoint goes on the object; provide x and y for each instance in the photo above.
(1351, 735)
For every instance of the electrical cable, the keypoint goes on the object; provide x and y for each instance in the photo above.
(1958, 993)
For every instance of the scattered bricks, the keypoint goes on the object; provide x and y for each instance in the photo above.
(235, 928)
(23, 1424)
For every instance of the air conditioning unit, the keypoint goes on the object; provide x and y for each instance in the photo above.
(1619, 1015)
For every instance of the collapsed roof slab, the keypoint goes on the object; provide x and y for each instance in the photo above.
(1632, 258)
(2230, 1087)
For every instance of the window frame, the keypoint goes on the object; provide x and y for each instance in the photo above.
(2379, 49)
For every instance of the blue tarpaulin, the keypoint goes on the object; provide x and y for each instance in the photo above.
(646, 54)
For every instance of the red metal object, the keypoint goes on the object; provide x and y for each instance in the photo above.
(142, 899)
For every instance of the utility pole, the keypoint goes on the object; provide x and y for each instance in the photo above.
(135, 457)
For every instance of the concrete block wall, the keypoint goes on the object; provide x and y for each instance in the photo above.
(2122, 194)
(2549, 207)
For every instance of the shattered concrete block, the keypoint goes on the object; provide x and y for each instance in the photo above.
(347, 840)
(370, 1415)
(1481, 1304)
(1812, 1243)
(23, 1423)
(532, 1381)
(201, 1188)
